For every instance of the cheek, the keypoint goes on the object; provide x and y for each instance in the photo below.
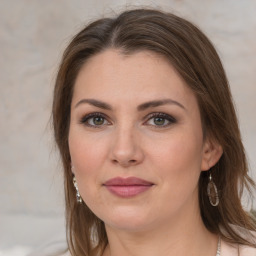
(182, 149)
(179, 160)
(86, 151)
(87, 156)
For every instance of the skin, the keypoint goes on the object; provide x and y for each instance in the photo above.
(164, 220)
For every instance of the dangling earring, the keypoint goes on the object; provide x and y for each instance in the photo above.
(78, 197)
(212, 192)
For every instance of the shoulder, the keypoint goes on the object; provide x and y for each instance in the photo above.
(247, 251)
(228, 249)
(66, 254)
(50, 252)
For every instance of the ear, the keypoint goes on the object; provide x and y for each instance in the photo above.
(212, 151)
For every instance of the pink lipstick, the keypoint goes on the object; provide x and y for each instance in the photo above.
(127, 187)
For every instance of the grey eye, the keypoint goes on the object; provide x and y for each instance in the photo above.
(94, 120)
(159, 121)
(98, 120)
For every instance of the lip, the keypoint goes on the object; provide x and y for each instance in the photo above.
(127, 187)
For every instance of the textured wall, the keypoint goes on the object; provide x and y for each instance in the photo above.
(32, 37)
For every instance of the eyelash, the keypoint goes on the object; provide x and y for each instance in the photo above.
(84, 120)
(171, 120)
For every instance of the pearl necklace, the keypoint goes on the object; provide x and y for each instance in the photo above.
(218, 248)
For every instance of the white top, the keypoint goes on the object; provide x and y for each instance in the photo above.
(236, 250)
(227, 250)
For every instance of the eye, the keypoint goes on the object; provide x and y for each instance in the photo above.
(95, 120)
(160, 120)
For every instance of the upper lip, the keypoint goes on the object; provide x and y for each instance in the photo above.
(130, 181)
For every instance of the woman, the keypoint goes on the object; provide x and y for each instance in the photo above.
(152, 154)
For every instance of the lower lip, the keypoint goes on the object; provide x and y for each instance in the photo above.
(128, 191)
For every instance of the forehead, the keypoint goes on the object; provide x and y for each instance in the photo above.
(139, 76)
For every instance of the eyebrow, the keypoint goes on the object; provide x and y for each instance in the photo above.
(156, 103)
(96, 103)
(141, 107)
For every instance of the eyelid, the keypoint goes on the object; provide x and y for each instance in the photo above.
(168, 117)
(86, 117)
(171, 120)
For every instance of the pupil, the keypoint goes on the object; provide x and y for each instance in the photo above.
(98, 120)
(159, 121)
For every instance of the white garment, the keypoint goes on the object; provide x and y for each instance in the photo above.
(226, 250)
(236, 250)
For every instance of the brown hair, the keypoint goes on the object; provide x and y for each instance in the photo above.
(196, 60)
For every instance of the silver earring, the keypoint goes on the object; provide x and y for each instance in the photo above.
(78, 197)
(212, 192)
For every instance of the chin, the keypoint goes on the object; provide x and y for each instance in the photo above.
(128, 220)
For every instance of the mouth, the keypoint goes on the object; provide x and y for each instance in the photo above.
(127, 187)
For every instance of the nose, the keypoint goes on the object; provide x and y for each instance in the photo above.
(126, 149)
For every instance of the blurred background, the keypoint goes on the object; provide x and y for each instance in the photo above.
(33, 34)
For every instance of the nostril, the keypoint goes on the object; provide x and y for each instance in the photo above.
(125, 163)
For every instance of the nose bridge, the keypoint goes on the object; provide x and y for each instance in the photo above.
(126, 149)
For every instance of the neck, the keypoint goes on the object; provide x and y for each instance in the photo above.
(186, 235)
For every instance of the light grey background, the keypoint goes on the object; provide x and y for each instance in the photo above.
(33, 34)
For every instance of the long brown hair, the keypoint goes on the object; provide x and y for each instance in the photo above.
(194, 57)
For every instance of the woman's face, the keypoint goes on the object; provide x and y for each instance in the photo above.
(136, 141)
